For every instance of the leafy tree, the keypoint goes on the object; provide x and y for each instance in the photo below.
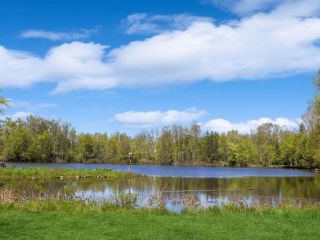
(118, 148)
(100, 147)
(3, 103)
(143, 147)
(312, 122)
(16, 140)
(195, 132)
(85, 148)
(267, 141)
(164, 147)
(40, 149)
(209, 145)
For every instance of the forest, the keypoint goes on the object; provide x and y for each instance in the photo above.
(37, 139)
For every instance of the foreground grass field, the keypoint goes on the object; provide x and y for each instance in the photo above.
(147, 224)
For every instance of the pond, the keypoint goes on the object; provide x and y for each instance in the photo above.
(181, 171)
(177, 185)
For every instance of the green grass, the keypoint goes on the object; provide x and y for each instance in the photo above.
(61, 219)
(58, 173)
(142, 224)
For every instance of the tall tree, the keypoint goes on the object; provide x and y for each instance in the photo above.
(209, 145)
(312, 121)
(164, 149)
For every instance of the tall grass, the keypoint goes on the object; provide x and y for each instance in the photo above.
(126, 201)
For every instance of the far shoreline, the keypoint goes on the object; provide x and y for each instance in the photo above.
(185, 164)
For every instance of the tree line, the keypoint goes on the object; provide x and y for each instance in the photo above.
(37, 139)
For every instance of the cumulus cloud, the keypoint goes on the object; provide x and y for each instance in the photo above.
(150, 119)
(57, 36)
(143, 23)
(69, 64)
(264, 45)
(223, 126)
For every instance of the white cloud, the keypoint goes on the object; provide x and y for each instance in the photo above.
(17, 104)
(21, 115)
(143, 23)
(265, 45)
(150, 119)
(250, 6)
(73, 63)
(244, 7)
(57, 36)
(17, 115)
(223, 126)
(19, 69)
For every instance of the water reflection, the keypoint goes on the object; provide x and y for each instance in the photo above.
(175, 192)
(181, 171)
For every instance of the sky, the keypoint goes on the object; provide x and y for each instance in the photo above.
(123, 65)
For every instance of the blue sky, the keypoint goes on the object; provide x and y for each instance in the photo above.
(133, 65)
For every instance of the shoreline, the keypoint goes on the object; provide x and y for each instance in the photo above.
(11, 173)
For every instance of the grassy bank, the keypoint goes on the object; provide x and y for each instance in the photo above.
(229, 223)
(58, 173)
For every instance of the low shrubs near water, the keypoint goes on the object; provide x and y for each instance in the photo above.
(126, 200)
(130, 201)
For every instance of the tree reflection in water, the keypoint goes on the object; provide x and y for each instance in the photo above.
(175, 193)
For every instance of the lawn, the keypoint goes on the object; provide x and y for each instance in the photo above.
(147, 224)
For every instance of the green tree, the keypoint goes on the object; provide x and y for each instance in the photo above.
(100, 147)
(3, 103)
(119, 146)
(247, 151)
(143, 148)
(41, 148)
(312, 122)
(209, 145)
(164, 147)
(16, 140)
(267, 141)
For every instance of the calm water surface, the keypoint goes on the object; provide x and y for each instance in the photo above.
(177, 184)
(182, 171)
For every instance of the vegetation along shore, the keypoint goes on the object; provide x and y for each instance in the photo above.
(59, 173)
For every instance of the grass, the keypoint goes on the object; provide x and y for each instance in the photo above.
(64, 219)
(58, 173)
(228, 223)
